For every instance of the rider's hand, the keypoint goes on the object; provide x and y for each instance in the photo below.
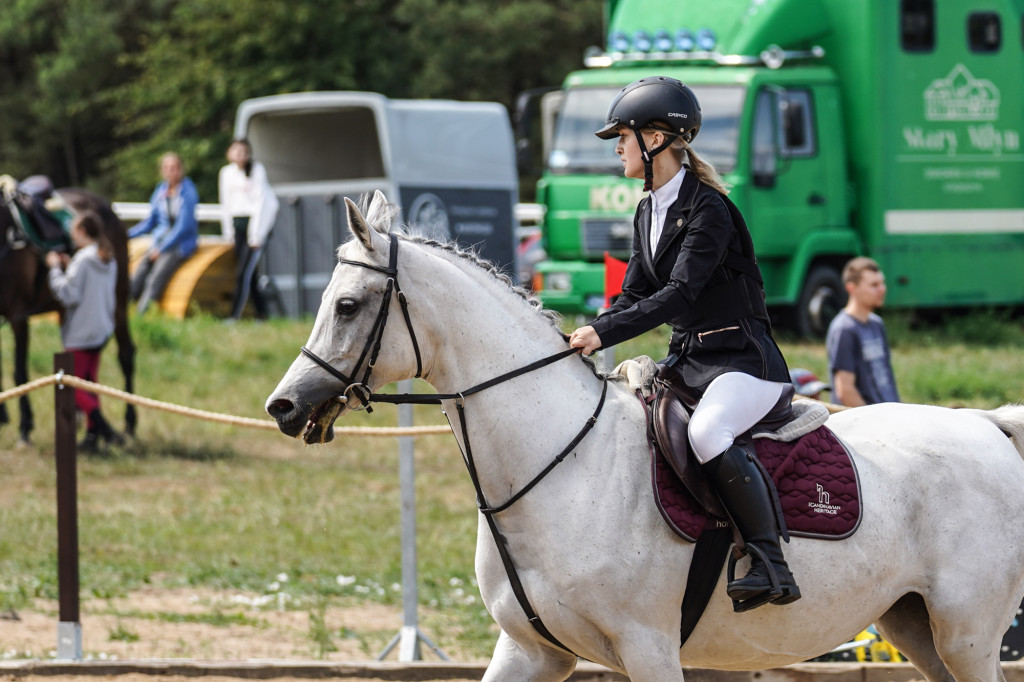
(585, 338)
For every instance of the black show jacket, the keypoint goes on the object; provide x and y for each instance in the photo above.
(704, 282)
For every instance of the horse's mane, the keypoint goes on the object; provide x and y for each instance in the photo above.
(379, 214)
(471, 256)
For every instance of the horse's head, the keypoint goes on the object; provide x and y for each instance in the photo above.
(339, 367)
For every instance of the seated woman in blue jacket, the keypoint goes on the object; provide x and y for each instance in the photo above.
(172, 222)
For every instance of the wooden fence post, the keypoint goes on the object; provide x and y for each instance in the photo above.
(69, 628)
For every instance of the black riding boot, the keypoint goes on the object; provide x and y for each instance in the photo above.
(744, 492)
(103, 428)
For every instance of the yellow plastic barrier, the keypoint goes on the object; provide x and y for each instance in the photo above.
(207, 278)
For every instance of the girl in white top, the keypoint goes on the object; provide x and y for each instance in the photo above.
(248, 210)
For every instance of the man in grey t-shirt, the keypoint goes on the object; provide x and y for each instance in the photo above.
(858, 348)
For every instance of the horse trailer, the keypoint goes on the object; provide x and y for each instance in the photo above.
(449, 165)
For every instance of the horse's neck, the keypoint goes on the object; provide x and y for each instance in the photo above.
(516, 427)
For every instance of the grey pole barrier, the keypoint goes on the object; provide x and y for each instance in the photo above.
(410, 636)
(69, 627)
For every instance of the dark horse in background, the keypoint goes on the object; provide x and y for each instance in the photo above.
(24, 292)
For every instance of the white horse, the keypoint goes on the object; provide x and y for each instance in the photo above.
(937, 563)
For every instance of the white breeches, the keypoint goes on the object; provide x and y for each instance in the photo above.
(731, 404)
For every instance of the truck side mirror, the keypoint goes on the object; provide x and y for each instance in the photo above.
(764, 179)
(524, 156)
(529, 128)
(765, 151)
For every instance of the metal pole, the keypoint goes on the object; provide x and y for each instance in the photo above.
(69, 628)
(409, 650)
(409, 637)
(300, 258)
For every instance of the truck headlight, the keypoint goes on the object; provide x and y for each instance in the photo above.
(558, 281)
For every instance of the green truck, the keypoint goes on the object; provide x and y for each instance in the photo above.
(889, 128)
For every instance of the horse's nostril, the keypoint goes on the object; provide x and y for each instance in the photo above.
(279, 408)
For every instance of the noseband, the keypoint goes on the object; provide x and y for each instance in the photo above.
(361, 389)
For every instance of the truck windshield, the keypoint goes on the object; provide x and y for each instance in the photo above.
(577, 150)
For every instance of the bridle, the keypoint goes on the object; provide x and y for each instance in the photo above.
(362, 391)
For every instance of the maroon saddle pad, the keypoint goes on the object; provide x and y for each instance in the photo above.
(814, 475)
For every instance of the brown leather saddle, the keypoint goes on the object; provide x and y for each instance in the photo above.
(671, 406)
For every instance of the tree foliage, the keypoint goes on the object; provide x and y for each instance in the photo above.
(93, 91)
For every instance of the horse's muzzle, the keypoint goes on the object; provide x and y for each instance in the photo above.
(289, 418)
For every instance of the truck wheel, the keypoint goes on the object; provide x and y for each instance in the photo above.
(822, 298)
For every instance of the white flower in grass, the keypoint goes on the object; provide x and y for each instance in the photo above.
(455, 582)
(396, 587)
(362, 589)
(282, 577)
(274, 587)
(345, 580)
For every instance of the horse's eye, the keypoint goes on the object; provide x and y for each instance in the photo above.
(346, 306)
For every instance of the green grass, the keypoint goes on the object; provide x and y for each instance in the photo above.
(200, 504)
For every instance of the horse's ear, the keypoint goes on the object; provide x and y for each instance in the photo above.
(358, 226)
(379, 204)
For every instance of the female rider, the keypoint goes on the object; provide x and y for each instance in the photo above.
(693, 267)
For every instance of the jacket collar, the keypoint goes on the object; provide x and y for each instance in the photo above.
(675, 219)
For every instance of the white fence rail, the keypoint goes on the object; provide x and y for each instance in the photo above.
(527, 215)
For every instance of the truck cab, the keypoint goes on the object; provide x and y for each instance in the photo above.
(831, 122)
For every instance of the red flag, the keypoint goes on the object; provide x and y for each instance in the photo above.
(614, 272)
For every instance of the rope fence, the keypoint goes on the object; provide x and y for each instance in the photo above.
(62, 379)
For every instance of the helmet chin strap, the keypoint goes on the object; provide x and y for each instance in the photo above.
(648, 156)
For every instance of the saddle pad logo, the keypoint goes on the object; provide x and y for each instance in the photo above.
(822, 505)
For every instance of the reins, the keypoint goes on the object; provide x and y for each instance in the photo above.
(366, 397)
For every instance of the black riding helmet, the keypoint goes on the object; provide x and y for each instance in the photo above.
(648, 101)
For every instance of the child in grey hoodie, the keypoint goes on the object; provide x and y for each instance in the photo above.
(86, 290)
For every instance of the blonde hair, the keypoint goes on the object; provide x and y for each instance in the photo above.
(704, 171)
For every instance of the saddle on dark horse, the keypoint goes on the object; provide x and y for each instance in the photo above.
(809, 472)
(39, 215)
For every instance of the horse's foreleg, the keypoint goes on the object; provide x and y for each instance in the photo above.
(20, 329)
(4, 417)
(126, 358)
(650, 655)
(533, 661)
